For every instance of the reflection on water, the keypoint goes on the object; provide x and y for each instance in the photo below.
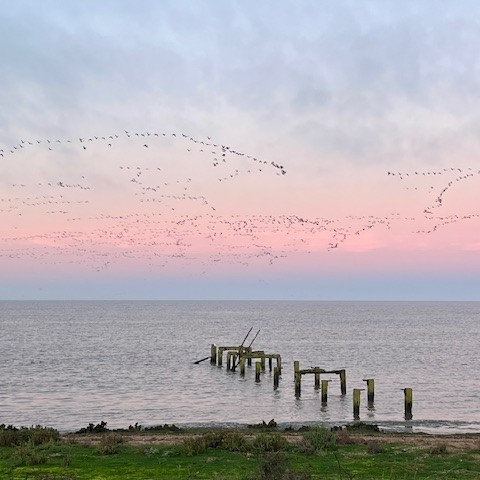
(65, 364)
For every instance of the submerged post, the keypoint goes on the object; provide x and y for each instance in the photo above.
(356, 403)
(317, 381)
(408, 403)
(370, 390)
(324, 391)
(275, 377)
(258, 369)
(234, 362)
(270, 363)
(213, 354)
(298, 378)
(343, 381)
(279, 364)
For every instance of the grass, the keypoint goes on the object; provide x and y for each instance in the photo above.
(260, 456)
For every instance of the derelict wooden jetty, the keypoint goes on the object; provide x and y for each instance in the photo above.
(240, 356)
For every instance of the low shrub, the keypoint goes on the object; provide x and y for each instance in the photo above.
(11, 436)
(269, 442)
(162, 428)
(109, 444)
(212, 439)
(98, 428)
(28, 455)
(271, 425)
(194, 446)
(234, 442)
(317, 439)
(42, 435)
(274, 466)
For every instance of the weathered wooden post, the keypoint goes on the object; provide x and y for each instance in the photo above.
(213, 354)
(298, 378)
(229, 357)
(317, 381)
(279, 364)
(258, 369)
(234, 362)
(270, 363)
(356, 403)
(325, 391)
(220, 356)
(276, 377)
(242, 366)
(262, 363)
(249, 361)
(408, 403)
(343, 381)
(370, 390)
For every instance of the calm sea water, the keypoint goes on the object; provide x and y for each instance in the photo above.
(65, 364)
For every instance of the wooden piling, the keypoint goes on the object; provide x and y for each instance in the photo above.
(317, 381)
(270, 363)
(242, 366)
(298, 378)
(370, 390)
(233, 368)
(356, 403)
(258, 369)
(249, 362)
(276, 377)
(229, 358)
(220, 356)
(279, 364)
(262, 363)
(325, 391)
(213, 354)
(343, 381)
(408, 392)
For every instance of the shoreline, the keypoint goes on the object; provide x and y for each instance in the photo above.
(458, 442)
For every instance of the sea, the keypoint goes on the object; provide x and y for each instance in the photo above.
(66, 364)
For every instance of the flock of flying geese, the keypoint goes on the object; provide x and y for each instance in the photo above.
(168, 220)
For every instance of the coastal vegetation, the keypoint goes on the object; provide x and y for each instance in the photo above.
(256, 453)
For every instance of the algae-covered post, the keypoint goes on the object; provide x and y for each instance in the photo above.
(242, 366)
(258, 369)
(317, 381)
(343, 381)
(370, 390)
(356, 403)
(213, 354)
(298, 378)
(276, 376)
(408, 392)
(325, 391)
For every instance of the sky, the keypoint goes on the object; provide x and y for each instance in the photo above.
(323, 150)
